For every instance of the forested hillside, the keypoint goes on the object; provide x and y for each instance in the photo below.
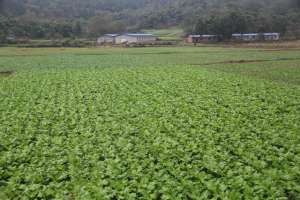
(76, 18)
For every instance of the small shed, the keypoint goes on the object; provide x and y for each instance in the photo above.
(246, 36)
(271, 36)
(130, 38)
(256, 36)
(193, 39)
(107, 39)
(201, 38)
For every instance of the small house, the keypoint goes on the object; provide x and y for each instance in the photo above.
(246, 36)
(130, 38)
(237, 36)
(256, 36)
(201, 38)
(193, 39)
(208, 38)
(107, 39)
(271, 36)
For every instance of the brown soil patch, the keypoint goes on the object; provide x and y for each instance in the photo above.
(284, 49)
(11, 56)
(247, 61)
(6, 73)
(236, 62)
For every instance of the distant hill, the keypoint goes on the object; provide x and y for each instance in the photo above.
(143, 14)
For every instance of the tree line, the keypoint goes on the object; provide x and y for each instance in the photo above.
(10, 27)
(225, 24)
(90, 18)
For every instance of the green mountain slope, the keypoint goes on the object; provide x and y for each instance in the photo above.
(150, 14)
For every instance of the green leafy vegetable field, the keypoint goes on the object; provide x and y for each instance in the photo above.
(149, 123)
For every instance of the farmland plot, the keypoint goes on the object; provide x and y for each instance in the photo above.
(166, 123)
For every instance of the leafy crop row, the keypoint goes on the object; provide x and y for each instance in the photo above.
(96, 131)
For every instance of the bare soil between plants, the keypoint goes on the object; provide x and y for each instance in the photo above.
(244, 61)
(6, 73)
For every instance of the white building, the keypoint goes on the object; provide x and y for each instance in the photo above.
(256, 36)
(246, 36)
(272, 36)
(107, 39)
(201, 38)
(130, 38)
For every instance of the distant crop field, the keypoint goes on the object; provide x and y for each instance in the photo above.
(149, 123)
(167, 34)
